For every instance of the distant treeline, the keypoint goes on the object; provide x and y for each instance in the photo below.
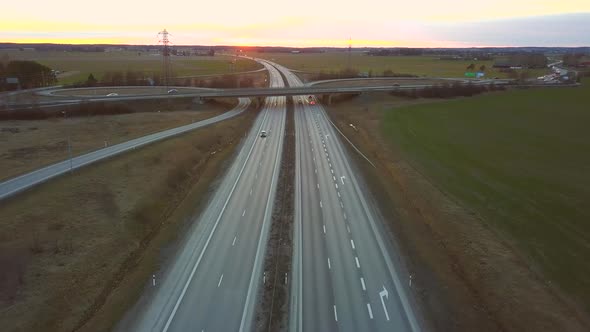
(25, 75)
(447, 90)
(139, 78)
(355, 73)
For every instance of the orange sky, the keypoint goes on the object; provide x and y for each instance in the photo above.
(263, 22)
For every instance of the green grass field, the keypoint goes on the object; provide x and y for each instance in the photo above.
(418, 65)
(78, 65)
(520, 159)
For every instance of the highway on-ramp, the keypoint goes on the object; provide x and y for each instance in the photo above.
(212, 282)
(344, 278)
(28, 180)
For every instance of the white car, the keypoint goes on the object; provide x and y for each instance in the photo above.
(263, 133)
(172, 91)
(113, 95)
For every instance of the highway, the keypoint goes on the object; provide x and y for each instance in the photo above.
(25, 181)
(230, 93)
(212, 282)
(344, 276)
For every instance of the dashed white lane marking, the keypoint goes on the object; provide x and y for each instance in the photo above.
(219, 283)
(330, 165)
(318, 185)
(313, 158)
(363, 283)
(328, 160)
(352, 244)
(348, 229)
(335, 313)
(250, 191)
(243, 213)
(234, 242)
(344, 216)
(324, 226)
(336, 184)
(326, 154)
(358, 265)
(329, 265)
(321, 206)
(316, 170)
(338, 193)
(333, 177)
(331, 170)
(256, 176)
(370, 310)
(341, 205)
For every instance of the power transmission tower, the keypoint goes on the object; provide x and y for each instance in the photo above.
(349, 50)
(166, 70)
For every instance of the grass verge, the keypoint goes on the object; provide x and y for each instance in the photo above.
(466, 277)
(100, 231)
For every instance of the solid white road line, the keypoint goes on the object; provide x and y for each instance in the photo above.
(370, 310)
(194, 269)
(335, 313)
(358, 265)
(363, 283)
(219, 283)
(352, 244)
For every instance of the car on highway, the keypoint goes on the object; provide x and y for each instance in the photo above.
(113, 94)
(172, 91)
(263, 134)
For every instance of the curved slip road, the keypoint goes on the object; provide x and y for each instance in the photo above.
(344, 278)
(212, 282)
(20, 183)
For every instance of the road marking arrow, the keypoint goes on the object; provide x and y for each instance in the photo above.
(342, 179)
(385, 293)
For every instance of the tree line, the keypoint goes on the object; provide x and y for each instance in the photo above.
(139, 78)
(355, 73)
(30, 74)
(447, 90)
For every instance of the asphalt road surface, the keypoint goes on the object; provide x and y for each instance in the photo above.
(344, 278)
(25, 181)
(211, 283)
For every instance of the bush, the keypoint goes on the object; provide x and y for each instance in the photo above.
(446, 90)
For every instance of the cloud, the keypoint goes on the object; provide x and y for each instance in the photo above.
(553, 30)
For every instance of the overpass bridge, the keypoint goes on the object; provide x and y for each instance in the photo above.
(74, 96)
